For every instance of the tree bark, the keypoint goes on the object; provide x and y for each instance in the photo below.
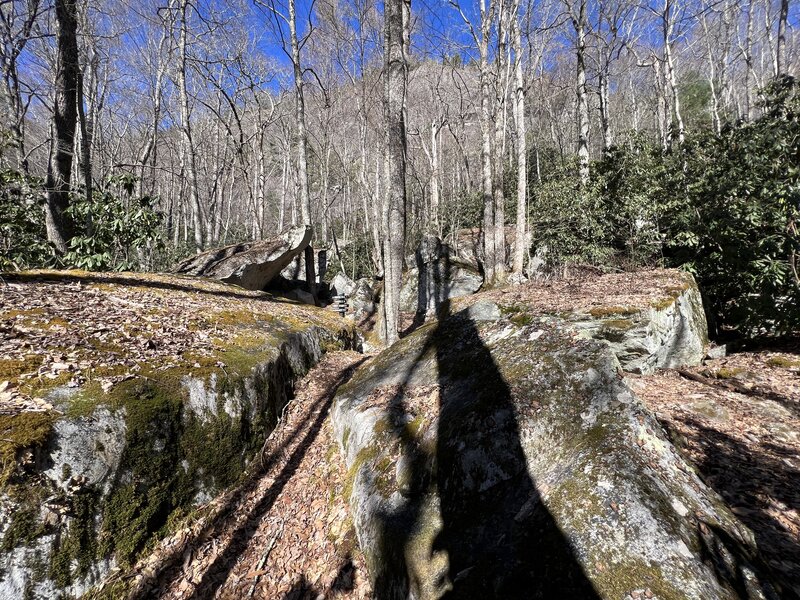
(780, 47)
(579, 23)
(395, 206)
(522, 154)
(668, 25)
(489, 244)
(188, 155)
(60, 228)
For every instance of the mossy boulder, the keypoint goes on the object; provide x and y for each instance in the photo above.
(669, 331)
(507, 458)
(150, 425)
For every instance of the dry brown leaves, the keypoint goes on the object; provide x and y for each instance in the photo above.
(73, 327)
(290, 535)
(745, 445)
(584, 291)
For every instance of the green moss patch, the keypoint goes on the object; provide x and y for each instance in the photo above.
(783, 362)
(20, 432)
(610, 311)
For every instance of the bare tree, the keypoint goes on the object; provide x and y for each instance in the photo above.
(60, 228)
(578, 18)
(16, 27)
(522, 152)
(397, 26)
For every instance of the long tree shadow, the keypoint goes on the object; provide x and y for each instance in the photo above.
(499, 537)
(216, 574)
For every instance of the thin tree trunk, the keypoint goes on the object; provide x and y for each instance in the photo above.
(522, 154)
(579, 24)
(190, 159)
(489, 245)
(395, 209)
(434, 212)
(780, 48)
(60, 227)
(301, 140)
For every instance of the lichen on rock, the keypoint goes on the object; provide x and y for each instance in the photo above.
(168, 413)
(532, 471)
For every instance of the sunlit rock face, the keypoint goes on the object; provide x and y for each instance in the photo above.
(129, 446)
(498, 454)
(252, 265)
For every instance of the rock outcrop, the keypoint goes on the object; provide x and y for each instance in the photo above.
(499, 453)
(163, 392)
(436, 279)
(252, 265)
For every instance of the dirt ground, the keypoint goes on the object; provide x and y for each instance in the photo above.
(285, 534)
(738, 422)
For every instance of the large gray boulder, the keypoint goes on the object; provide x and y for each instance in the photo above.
(120, 450)
(494, 456)
(436, 279)
(251, 265)
(668, 333)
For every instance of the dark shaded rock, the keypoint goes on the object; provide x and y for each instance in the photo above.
(251, 265)
(507, 458)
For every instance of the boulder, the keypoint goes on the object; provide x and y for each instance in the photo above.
(362, 300)
(670, 332)
(436, 279)
(170, 389)
(503, 456)
(251, 265)
(342, 285)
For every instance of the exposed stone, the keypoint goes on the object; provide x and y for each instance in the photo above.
(251, 265)
(507, 458)
(342, 285)
(715, 352)
(669, 333)
(120, 463)
(436, 279)
(362, 300)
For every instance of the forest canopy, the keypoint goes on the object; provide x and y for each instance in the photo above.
(618, 134)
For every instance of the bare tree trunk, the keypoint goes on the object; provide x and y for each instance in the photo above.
(85, 141)
(668, 25)
(579, 23)
(395, 208)
(498, 196)
(301, 139)
(188, 154)
(148, 151)
(748, 59)
(522, 154)
(780, 48)
(435, 183)
(12, 47)
(605, 111)
(60, 227)
(489, 244)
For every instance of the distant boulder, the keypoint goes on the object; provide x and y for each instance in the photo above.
(251, 265)
(436, 278)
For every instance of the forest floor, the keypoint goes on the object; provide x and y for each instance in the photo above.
(288, 534)
(737, 419)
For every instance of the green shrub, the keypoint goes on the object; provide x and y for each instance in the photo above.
(118, 232)
(23, 240)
